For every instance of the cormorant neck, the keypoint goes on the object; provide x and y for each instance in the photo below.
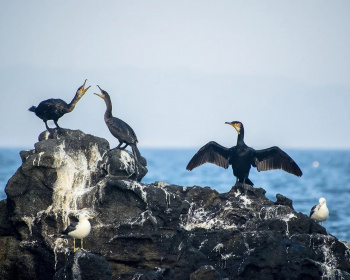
(108, 113)
(240, 138)
(74, 101)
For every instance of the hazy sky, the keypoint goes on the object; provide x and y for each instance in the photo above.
(177, 70)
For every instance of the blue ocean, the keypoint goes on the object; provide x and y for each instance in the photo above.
(326, 173)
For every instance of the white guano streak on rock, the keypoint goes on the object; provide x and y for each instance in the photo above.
(330, 264)
(237, 193)
(140, 220)
(29, 221)
(167, 195)
(225, 257)
(73, 179)
(128, 162)
(95, 157)
(200, 218)
(202, 244)
(137, 276)
(76, 268)
(60, 246)
(37, 158)
(218, 247)
(272, 213)
(134, 186)
(246, 201)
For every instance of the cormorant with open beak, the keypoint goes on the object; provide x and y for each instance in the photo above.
(53, 109)
(119, 129)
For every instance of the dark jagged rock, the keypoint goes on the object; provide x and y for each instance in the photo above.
(206, 272)
(120, 164)
(282, 200)
(150, 231)
(84, 265)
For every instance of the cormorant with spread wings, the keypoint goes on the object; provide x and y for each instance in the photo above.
(241, 157)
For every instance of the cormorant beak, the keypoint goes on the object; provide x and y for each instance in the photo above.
(236, 125)
(90, 218)
(83, 89)
(99, 95)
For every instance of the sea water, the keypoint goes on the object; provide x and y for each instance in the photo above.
(326, 173)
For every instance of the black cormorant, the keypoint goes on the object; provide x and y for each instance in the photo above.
(242, 157)
(53, 109)
(119, 129)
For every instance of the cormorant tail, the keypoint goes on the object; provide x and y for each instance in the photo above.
(136, 152)
(247, 181)
(32, 109)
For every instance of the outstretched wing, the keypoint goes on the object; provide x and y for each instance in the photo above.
(275, 158)
(211, 152)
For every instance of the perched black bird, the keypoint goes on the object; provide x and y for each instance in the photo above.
(119, 129)
(53, 109)
(242, 157)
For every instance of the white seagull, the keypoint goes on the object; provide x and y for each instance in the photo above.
(320, 212)
(80, 229)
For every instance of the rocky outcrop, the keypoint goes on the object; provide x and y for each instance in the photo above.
(150, 231)
(84, 265)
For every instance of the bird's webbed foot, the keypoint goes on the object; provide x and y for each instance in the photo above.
(59, 129)
(50, 131)
(81, 245)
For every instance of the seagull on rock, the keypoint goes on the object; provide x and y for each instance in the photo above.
(320, 212)
(80, 229)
